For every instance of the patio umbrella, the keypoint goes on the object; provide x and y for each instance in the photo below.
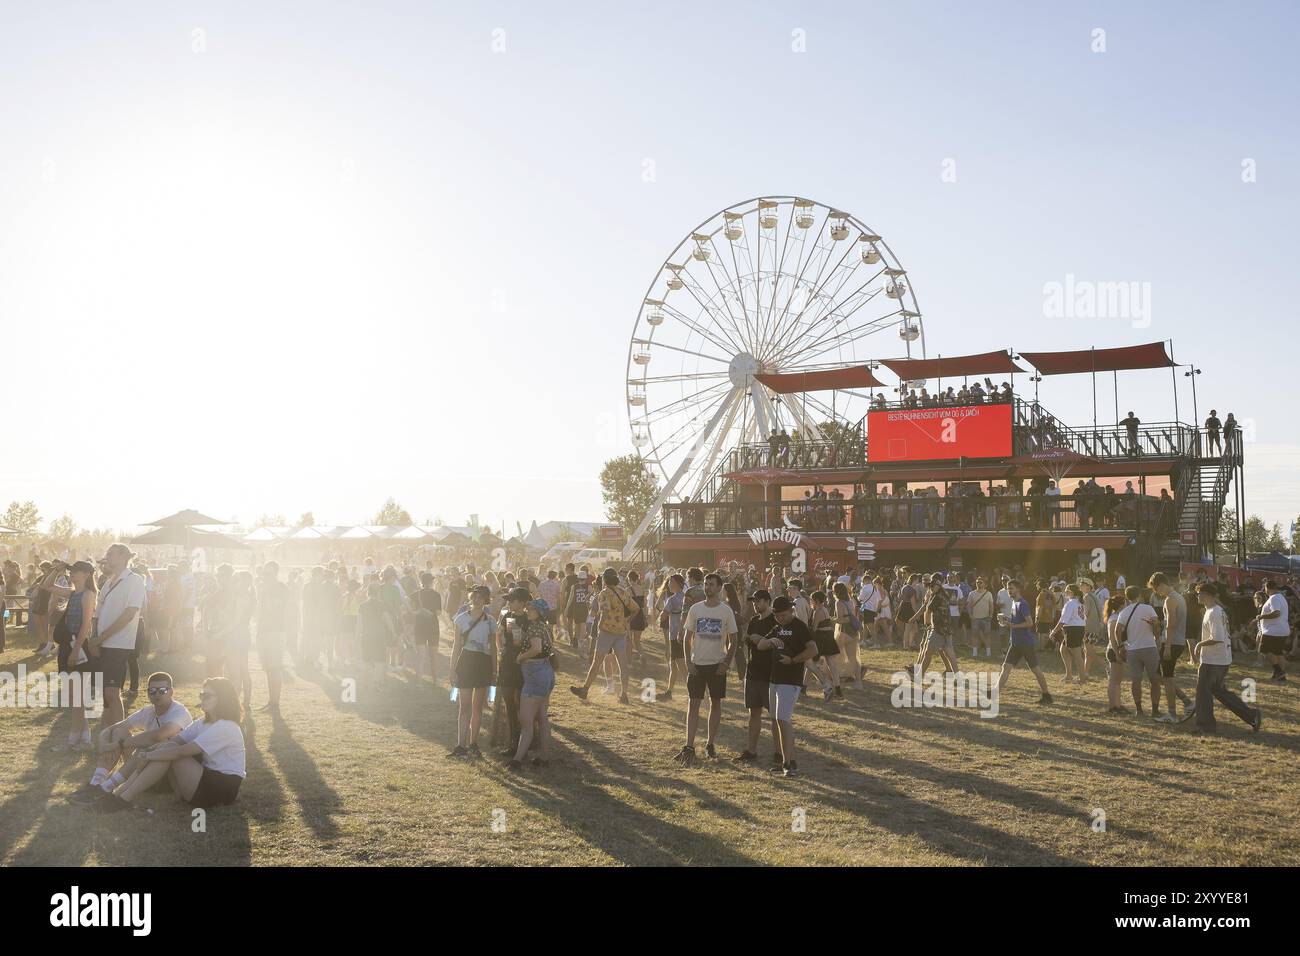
(188, 518)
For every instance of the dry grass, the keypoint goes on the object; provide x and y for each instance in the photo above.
(367, 783)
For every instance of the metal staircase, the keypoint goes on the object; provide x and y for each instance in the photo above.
(1201, 490)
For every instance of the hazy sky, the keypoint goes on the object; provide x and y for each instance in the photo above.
(304, 256)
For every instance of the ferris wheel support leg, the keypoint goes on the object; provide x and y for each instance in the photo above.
(707, 471)
(807, 424)
(682, 469)
(761, 409)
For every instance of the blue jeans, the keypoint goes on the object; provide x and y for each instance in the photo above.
(539, 678)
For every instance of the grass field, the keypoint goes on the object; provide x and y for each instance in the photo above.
(367, 783)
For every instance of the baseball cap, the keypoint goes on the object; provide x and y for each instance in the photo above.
(482, 589)
(782, 603)
(762, 594)
(519, 594)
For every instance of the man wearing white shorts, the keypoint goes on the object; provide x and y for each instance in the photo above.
(792, 646)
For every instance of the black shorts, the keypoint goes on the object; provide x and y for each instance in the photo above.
(1272, 644)
(1022, 652)
(578, 613)
(111, 662)
(1043, 629)
(825, 641)
(755, 693)
(270, 648)
(868, 617)
(963, 619)
(473, 669)
(905, 613)
(710, 677)
(216, 789)
(1073, 636)
(1167, 664)
(676, 650)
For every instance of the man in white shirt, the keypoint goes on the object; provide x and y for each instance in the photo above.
(794, 591)
(1139, 627)
(117, 618)
(1214, 655)
(162, 719)
(1274, 629)
(710, 640)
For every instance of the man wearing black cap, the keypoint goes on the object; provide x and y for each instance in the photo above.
(791, 646)
(758, 675)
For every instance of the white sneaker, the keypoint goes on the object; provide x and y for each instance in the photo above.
(609, 688)
(1166, 719)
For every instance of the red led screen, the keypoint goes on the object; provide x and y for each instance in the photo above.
(931, 434)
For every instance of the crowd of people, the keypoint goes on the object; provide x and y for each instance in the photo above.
(783, 635)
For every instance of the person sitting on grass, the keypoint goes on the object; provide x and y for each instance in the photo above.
(124, 741)
(204, 762)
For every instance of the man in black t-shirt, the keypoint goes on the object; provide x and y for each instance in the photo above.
(792, 646)
(428, 605)
(576, 609)
(758, 675)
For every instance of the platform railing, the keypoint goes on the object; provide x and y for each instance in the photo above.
(926, 515)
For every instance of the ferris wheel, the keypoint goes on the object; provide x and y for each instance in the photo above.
(768, 286)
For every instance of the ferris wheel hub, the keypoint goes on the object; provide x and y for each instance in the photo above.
(742, 370)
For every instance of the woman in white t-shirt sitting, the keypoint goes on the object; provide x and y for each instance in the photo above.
(205, 761)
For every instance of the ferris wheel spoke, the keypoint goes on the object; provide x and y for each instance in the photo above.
(802, 263)
(679, 436)
(676, 348)
(829, 301)
(741, 329)
(680, 405)
(699, 330)
(847, 337)
(811, 339)
(703, 299)
(682, 377)
(815, 295)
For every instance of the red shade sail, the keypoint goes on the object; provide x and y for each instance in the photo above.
(956, 366)
(1100, 360)
(821, 380)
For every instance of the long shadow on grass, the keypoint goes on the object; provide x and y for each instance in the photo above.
(607, 821)
(958, 728)
(317, 800)
(30, 803)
